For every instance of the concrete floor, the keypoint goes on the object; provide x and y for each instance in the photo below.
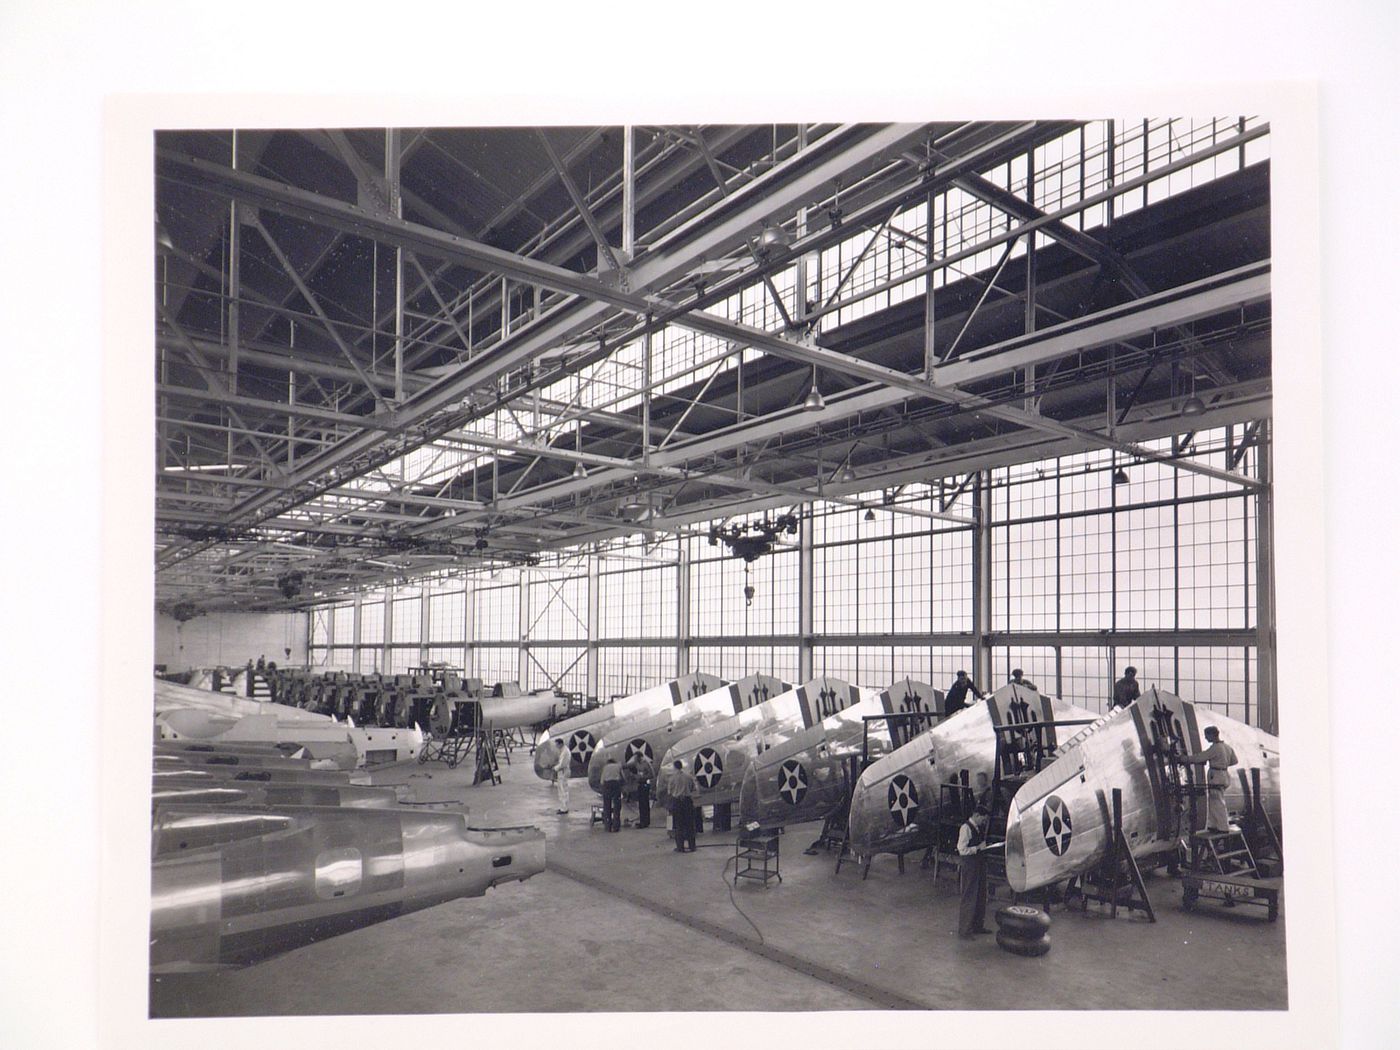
(593, 933)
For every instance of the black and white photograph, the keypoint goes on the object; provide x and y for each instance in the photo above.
(888, 502)
(908, 524)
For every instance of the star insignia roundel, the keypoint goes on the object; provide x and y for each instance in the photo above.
(792, 782)
(708, 767)
(635, 748)
(904, 800)
(581, 743)
(1055, 825)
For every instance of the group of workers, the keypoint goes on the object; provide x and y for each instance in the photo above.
(972, 846)
(634, 780)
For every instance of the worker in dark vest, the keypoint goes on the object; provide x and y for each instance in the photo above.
(972, 874)
(642, 773)
(612, 795)
(956, 698)
(681, 789)
(1126, 690)
(1018, 679)
(1218, 757)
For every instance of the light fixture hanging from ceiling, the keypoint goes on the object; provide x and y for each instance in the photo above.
(579, 472)
(815, 402)
(869, 514)
(847, 474)
(1120, 477)
(1193, 405)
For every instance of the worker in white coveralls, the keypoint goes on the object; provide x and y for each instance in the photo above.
(1218, 758)
(562, 764)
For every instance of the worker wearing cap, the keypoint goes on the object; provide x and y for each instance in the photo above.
(1218, 758)
(956, 698)
(1016, 679)
(1126, 690)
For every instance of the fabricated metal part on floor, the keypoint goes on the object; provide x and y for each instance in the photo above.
(275, 879)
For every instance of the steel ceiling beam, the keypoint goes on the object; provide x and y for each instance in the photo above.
(781, 188)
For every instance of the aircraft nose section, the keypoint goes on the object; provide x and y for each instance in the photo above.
(545, 757)
(595, 766)
(861, 826)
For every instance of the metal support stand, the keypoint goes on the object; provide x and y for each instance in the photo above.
(1117, 872)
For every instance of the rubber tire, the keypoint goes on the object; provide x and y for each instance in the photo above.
(1019, 920)
(1189, 896)
(1030, 947)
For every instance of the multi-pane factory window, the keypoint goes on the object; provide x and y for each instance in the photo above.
(718, 606)
(638, 602)
(343, 625)
(558, 606)
(496, 664)
(732, 662)
(320, 627)
(372, 623)
(556, 667)
(624, 670)
(497, 613)
(447, 617)
(408, 623)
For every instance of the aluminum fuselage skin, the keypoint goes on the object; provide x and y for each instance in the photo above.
(176, 790)
(286, 877)
(719, 755)
(1118, 752)
(805, 778)
(583, 731)
(655, 733)
(895, 805)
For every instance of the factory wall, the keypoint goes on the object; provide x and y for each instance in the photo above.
(230, 639)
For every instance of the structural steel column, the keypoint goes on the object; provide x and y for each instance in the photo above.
(930, 318)
(804, 596)
(523, 653)
(1266, 653)
(683, 611)
(424, 624)
(388, 636)
(591, 660)
(355, 652)
(982, 579)
(469, 626)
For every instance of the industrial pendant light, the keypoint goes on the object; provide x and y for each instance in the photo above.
(1193, 405)
(815, 402)
(1120, 476)
(579, 472)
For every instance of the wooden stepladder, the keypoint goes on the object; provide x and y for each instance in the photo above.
(488, 768)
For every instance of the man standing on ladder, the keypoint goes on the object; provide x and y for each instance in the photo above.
(1218, 757)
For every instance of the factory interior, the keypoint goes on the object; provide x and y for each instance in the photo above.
(871, 524)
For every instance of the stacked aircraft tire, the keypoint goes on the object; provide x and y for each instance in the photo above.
(1023, 930)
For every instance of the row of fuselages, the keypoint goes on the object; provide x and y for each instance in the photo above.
(788, 755)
